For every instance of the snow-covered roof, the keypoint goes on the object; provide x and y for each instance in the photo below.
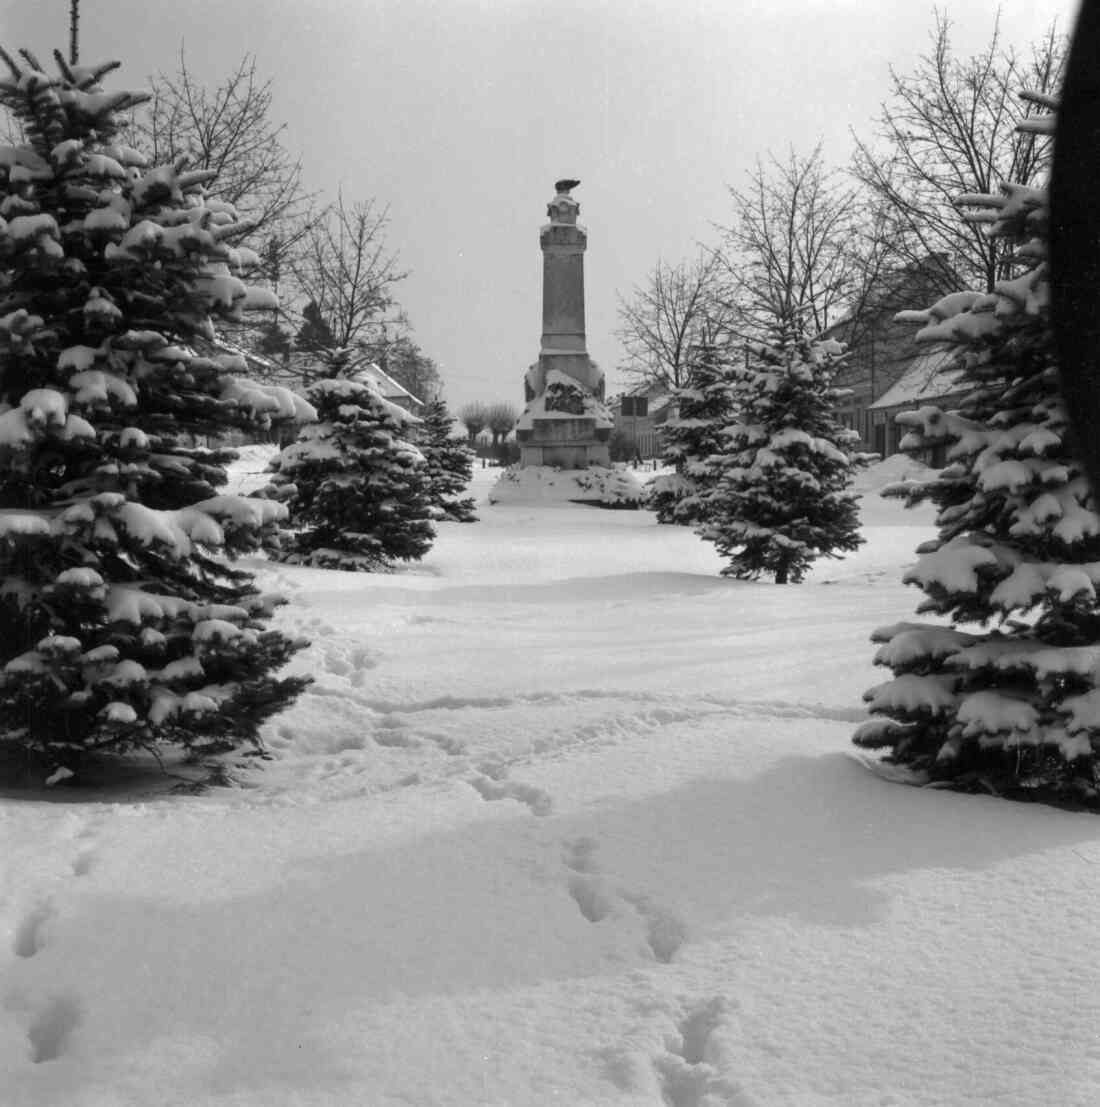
(370, 372)
(926, 378)
(222, 344)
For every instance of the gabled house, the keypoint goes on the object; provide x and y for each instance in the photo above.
(885, 370)
(371, 373)
(360, 367)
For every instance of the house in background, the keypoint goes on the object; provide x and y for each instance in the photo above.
(886, 371)
(638, 417)
(929, 378)
(369, 372)
(297, 367)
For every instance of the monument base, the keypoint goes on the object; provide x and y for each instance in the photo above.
(597, 486)
(565, 455)
(565, 425)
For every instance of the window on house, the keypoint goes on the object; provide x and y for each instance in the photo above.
(635, 405)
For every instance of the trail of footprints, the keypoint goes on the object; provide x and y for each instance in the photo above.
(596, 900)
(689, 1069)
(52, 1021)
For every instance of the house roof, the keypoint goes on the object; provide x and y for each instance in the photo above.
(928, 376)
(369, 372)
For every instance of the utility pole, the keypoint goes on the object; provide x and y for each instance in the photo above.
(74, 37)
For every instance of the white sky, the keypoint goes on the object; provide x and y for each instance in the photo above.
(460, 115)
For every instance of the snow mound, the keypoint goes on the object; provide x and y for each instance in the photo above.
(891, 470)
(251, 470)
(546, 485)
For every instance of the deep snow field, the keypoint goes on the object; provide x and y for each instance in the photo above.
(567, 818)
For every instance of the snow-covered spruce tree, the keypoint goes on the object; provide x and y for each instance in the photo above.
(450, 464)
(358, 489)
(776, 496)
(703, 406)
(1006, 699)
(122, 623)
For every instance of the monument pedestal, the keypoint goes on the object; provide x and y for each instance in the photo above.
(564, 443)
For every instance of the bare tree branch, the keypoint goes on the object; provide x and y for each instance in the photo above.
(347, 270)
(231, 129)
(790, 253)
(678, 308)
(948, 129)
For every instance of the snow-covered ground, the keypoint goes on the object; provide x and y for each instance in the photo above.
(566, 818)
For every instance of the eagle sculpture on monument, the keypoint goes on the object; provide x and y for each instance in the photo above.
(565, 185)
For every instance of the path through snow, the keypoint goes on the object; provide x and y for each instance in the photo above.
(565, 818)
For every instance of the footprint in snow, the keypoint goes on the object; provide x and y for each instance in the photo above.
(30, 935)
(580, 855)
(52, 1027)
(590, 892)
(666, 932)
(491, 790)
(690, 1070)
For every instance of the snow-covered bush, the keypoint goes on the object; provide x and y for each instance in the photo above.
(124, 624)
(1007, 698)
(703, 407)
(450, 464)
(358, 489)
(776, 496)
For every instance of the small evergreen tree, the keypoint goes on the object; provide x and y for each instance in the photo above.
(776, 498)
(314, 335)
(450, 464)
(704, 405)
(122, 623)
(1006, 699)
(358, 489)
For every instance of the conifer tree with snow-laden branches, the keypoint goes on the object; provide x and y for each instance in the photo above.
(450, 464)
(776, 494)
(703, 407)
(123, 623)
(359, 491)
(1003, 694)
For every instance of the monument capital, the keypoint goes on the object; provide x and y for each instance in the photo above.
(563, 208)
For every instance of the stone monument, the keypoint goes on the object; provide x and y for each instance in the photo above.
(565, 423)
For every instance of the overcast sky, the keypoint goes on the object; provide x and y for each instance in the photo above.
(461, 114)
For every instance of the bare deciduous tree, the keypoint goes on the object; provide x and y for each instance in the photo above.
(231, 129)
(680, 307)
(951, 128)
(346, 269)
(789, 251)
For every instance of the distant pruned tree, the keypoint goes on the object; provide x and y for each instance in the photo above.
(500, 418)
(678, 308)
(475, 418)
